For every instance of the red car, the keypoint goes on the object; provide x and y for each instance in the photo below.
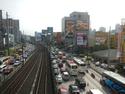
(63, 90)
(7, 70)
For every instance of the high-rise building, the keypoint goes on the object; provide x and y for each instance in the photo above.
(117, 28)
(75, 29)
(12, 27)
(103, 29)
(101, 38)
(121, 44)
(1, 32)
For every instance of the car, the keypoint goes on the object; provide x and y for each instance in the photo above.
(65, 76)
(2, 67)
(63, 90)
(73, 89)
(97, 63)
(55, 66)
(7, 70)
(54, 61)
(62, 69)
(16, 63)
(59, 79)
(60, 65)
(80, 82)
(56, 71)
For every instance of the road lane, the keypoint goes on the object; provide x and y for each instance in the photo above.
(92, 83)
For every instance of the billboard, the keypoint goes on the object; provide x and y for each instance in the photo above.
(81, 39)
(81, 26)
(69, 26)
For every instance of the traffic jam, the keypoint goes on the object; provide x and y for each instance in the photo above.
(10, 64)
(69, 74)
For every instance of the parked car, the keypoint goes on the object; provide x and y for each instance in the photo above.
(80, 82)
(73, 89)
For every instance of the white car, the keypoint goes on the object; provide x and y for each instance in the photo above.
(65, 76)
(59, 79)
(97, 63)
(16, 63)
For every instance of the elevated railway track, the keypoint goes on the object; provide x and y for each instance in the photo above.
(34, 77)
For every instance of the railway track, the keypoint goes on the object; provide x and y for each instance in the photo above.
(32, 78)
(41, 79)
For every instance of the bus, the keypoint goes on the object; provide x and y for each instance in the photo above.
(114, 81)
(94, 91)
(71, 67)
(81, 65)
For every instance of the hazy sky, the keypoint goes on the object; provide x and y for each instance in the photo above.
(35, 15)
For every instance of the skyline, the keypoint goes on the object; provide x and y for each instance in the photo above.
(35, 15)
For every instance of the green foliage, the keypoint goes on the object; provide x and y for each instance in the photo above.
(11, 50)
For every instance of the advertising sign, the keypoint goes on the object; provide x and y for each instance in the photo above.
(69, 26)
(80, 25)
(81, 39)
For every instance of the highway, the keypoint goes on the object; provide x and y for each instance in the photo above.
(91, 83)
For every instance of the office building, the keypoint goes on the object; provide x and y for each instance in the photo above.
(75, 30)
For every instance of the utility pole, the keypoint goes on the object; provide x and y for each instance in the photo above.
(7, 31)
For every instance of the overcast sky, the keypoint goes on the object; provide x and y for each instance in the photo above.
(35, 15)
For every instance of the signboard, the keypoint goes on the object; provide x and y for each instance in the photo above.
(81, 26)
(81, 39)
(69, 26)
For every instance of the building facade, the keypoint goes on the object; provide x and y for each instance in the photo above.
(75, 29)
(1, 33)
(121, 44)
(101, 38)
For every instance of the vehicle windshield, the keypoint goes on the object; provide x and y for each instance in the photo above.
(74, 67)
(74, 87)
